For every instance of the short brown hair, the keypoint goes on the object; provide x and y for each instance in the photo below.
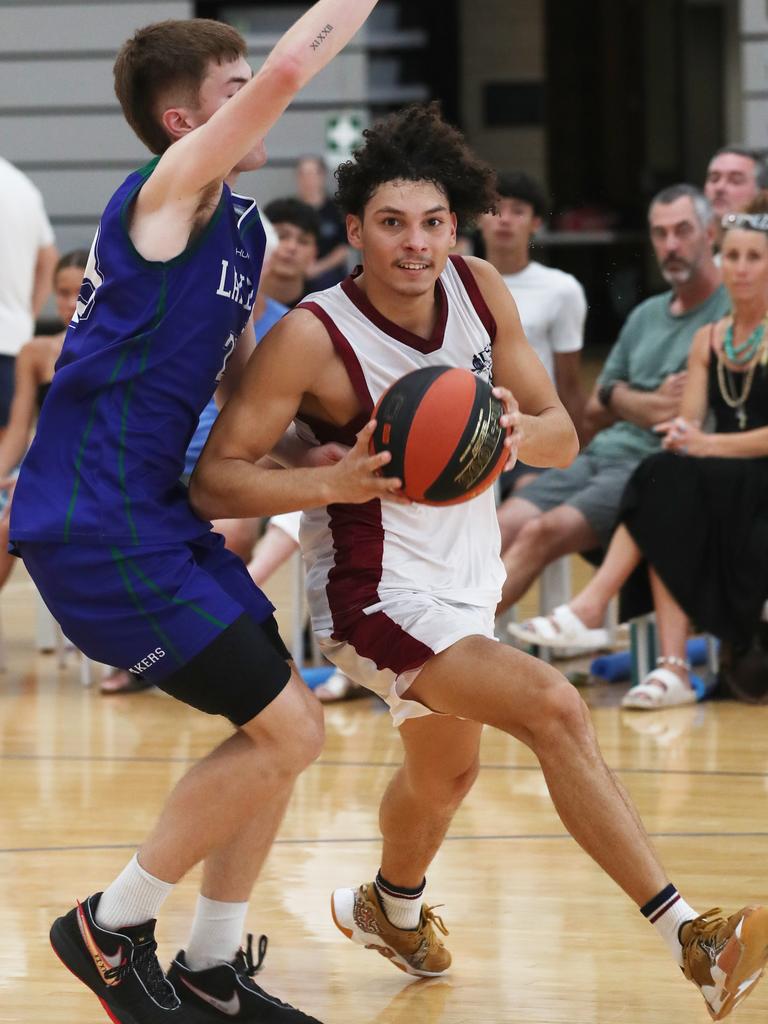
(166, 56)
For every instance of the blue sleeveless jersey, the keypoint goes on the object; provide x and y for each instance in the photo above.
(142, 357)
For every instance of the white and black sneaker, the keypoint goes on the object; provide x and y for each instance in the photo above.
(120, 968)
(228, 992)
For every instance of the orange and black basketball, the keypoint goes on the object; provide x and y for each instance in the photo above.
(441, 426)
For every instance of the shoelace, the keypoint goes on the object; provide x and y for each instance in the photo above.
(245, 957)
(145, 962)
(431, 917)
(706, 924)
(244, 964)
(703, 933)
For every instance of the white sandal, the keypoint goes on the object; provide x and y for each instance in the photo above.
(661, 688)
(563, 628)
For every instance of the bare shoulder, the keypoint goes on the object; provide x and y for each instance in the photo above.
(707, 339)
(298, 346)
(297, 331)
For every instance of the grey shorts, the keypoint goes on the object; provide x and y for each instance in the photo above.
(590, 484)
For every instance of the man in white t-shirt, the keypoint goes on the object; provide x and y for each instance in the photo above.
(27, 259)
(551, 303)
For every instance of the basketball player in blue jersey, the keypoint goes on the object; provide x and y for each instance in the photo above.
(403, 597)
(135, 578)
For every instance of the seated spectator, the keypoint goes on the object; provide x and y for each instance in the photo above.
(286, 279)
(734, 176)
(551, 303)
(33, 373)
(575, 509)
(697, 512)
(330, 267)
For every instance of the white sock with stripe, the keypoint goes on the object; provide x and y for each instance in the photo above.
(667, 912)
(402, 907)
(134, 897)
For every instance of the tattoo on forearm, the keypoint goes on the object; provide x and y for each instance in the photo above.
(318, 41)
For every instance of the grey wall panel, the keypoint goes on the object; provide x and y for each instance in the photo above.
(76, 193)
(87, 138)
(56, 83)
(82, 137)
(68, 83)
(74, 236)
(63, 28)
(345, 79)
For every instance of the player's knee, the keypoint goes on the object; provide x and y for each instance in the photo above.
(309, 737)
(461, 784)
(447, 789)
(560, 711)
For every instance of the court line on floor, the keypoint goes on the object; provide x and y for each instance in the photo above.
(519, 837)
(323, 763)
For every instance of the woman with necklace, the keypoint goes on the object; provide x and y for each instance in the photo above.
(696, 513)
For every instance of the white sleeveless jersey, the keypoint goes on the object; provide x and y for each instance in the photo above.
(358, 555)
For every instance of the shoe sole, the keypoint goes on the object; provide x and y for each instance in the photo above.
(370, 941)
(63, 940)
(741, 962)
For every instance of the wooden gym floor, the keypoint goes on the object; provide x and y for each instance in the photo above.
(539, 935)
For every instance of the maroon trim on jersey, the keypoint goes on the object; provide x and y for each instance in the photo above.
(348, 357)
(353, 584)
(424, 345)
(475, 295)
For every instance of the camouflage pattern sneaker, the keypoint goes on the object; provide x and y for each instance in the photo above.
(725, 958)
(359, 915)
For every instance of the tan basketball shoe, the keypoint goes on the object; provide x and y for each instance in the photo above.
(359, 915)
(725, 958)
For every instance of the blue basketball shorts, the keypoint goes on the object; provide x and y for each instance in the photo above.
(187, 617)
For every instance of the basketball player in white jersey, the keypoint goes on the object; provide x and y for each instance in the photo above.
(403, 596)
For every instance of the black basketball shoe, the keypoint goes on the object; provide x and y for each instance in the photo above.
(228, 992)
(120, 968)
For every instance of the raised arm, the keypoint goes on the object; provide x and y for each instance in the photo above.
(209, 153)
(548, 437)
(229, 482)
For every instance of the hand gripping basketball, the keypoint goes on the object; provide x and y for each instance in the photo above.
(447, 434)
(359, 476)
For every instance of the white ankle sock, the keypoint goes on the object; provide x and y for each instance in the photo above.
(134, 897)
(667, 912)
(217, 932)
(402, 907)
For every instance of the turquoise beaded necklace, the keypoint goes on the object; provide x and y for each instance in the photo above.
(742, 354)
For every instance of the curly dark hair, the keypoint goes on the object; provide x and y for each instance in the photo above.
(416, 144)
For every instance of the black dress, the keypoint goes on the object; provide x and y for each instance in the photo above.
(702, 523)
